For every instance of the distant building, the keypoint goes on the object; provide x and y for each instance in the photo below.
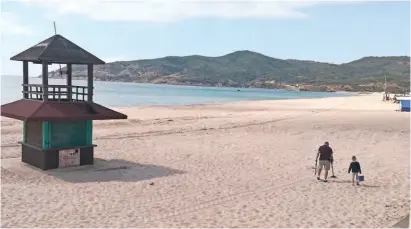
(404, 103)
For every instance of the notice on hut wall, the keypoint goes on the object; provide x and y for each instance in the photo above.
(69, 157)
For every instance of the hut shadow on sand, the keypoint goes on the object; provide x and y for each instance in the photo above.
(112, 170)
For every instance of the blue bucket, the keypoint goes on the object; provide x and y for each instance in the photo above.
(360, 177)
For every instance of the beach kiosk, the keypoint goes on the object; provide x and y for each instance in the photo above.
(404, 103)
(57, 119)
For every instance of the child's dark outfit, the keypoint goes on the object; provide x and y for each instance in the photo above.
(355, 167)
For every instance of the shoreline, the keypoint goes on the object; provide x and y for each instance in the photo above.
(243, 102)
(176, 84)
(347, 94)
(338, 93)
(193, 85)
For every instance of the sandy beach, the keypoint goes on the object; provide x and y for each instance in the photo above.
(243, 164)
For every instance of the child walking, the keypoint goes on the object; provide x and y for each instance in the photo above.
(355, 168)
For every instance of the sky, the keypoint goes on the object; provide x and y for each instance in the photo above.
(326, 31)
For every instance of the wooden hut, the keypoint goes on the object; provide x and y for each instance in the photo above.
(57, 119)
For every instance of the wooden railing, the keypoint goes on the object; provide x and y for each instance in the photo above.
(55, 92)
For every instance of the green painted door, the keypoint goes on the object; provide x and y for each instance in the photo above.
(65, 134)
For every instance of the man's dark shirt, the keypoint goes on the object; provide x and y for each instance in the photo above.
(325, 153)
(354, 167)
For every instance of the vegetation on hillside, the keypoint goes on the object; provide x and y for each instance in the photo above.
(251, 69)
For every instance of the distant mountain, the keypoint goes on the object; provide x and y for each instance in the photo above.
(251, 69)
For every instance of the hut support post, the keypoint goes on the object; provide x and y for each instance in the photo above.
(89, 83)
(69, 83)
(25, 79)
(45, 81)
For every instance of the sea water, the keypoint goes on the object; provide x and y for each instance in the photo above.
(135, 94)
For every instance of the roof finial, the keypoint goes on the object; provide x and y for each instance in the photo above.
(55, 33)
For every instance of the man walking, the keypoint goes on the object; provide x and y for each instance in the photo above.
(325, 153)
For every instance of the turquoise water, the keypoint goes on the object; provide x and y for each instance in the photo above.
(133, 94)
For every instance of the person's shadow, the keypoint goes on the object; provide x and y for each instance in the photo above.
(112, 170)
(349, 182)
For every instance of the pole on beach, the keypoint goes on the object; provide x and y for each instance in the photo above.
(385, 84)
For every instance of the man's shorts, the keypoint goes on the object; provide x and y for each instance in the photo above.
(325, 164)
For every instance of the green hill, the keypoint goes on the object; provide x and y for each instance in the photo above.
(251, 69)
